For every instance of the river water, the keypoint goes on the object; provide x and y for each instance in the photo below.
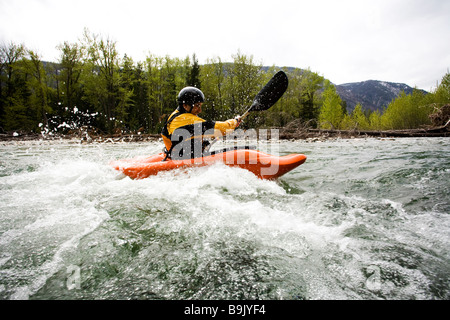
(360, 219)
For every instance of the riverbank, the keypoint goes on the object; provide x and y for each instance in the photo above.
(298, 130)
(83, 137)
(290, 132)
(430, 132)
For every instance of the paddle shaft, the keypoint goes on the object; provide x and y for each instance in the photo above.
(246, 113)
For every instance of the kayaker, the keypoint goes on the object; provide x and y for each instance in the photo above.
(185, 134)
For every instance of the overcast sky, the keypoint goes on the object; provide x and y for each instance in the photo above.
(405, 41)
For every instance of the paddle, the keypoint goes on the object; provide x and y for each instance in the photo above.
(270, 94)
(267, 97)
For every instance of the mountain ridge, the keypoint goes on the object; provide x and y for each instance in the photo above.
(372, 94)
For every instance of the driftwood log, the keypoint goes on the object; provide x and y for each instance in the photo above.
(440, 127)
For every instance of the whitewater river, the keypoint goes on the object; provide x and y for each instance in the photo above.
(360, 219)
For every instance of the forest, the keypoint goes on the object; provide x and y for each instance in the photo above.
(92, 85)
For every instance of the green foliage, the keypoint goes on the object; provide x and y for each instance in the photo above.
(125, 92)
(193, 79)
(331, 112)
(442, 93)
(302, 99)
(91, 85)
(69, 85)
(212, 77)
(310, 103)
(13, 90)
(359, 118)
(39, 89)
(407, 111)
(375, 120)
(243, 83)
(102, 79)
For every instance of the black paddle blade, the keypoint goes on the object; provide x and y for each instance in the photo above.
(271, 92)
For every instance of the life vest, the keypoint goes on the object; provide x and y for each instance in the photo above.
(183, 134)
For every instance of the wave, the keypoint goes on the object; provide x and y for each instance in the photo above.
(347, 225)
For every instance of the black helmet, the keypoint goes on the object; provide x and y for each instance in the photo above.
(190, 96)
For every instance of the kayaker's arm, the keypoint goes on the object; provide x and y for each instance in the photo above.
(221, 127)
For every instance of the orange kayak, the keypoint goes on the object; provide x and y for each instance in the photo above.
(263, 165)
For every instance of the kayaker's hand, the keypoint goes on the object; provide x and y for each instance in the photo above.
(206, 145)
(239, 120)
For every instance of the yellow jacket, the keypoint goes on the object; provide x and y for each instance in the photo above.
(183, 126)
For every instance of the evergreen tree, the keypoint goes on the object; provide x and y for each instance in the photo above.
(212, 77)
(310, 84)
(285, 110)
(169, 87)
(442, 93)
(375, 120)
(70, 91)
(11, 84)
(243, 82)
(407, 111)
(139, 115)
(359, 118)
(331, 112)
(125, 93)
(101, 78)
(194, 74)
(39, 91)
(156, 116)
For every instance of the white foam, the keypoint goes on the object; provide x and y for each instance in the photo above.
(325, 238)
(55, 203)
(49, 268)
